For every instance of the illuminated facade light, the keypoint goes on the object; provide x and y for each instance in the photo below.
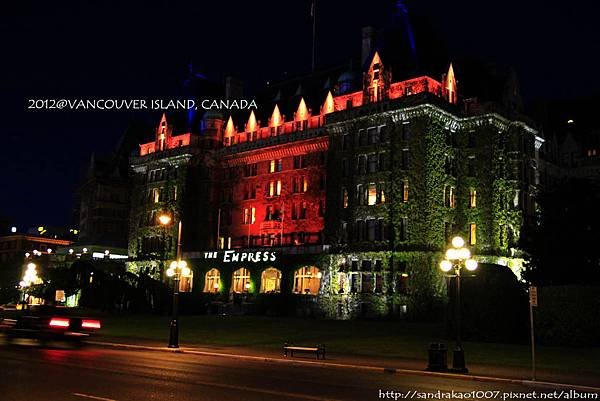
(13, 229)
(302, 112)
(276, 119)
(164, 219)
(252, 125)
(329, 105)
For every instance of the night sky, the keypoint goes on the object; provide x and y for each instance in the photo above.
(130, 49)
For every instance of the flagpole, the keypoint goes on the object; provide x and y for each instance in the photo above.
(314, 20)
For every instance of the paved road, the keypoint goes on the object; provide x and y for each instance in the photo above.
(30, 372)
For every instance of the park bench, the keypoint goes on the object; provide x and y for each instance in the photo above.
(319, 350)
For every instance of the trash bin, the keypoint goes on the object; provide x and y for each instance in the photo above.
(438, 357)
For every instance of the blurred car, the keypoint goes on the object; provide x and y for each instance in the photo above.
(10, 306)
(44, 322)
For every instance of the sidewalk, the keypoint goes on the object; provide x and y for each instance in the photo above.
(482, 372)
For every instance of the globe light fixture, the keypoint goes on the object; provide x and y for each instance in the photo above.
(445, 265)
(471, 264)
(458, 242)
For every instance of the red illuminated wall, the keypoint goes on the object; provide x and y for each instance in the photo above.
(238, 192)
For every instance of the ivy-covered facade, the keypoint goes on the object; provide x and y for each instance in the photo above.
(342, 210)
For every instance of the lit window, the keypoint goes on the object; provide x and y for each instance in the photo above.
(249, 215)
(212, 281)
(156, 195)
(344, 198)
(405, 191)
(304, 184)
(452, 197)
(372, 194)
(472, 234)
(472, 198)
(307, 280)
(275, 166)
(270, 281)
(272, 188)
(241, 280)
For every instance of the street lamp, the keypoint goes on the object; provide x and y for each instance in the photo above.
(458, 257)
(29, 277)
(176, 269)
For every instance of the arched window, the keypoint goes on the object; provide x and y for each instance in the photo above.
(307, 280)
(270, 280)
(212, 281)
(241, 280)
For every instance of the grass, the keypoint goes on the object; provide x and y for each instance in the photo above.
(359, 337)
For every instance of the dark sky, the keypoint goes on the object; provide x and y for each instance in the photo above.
(128, 49)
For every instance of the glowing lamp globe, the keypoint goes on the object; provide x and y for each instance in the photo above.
(471, 264)
(458, 242)
(170, 272)
(463, 253)
(173, 265)
(182, 264)
(185, 271)
(451, 254)
(445, 266)
(31, 266)
(23, 283)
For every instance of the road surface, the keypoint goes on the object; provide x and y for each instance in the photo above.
(31, 372)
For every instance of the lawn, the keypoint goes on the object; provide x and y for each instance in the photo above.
(360, 337)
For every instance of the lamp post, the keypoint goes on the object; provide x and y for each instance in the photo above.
(458, 257)
(175, 270)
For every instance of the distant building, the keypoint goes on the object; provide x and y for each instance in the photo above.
(104, 204)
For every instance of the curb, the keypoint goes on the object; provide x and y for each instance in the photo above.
(491, 379)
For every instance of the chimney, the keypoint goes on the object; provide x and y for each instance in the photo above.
(234, 88)
(368, 41)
